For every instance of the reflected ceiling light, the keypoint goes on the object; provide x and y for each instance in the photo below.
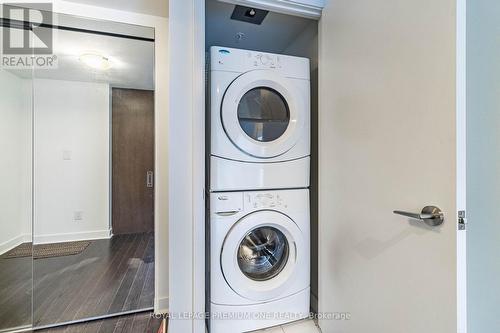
(96, 61)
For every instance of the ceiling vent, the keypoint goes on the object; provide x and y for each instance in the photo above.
(303, 8)
(249, 14)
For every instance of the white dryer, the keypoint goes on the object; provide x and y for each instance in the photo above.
(259, 120)
(259, 260)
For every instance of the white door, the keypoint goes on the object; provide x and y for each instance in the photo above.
(387, 142)
(260, 113)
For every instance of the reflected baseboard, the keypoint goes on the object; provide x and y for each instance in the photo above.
(18, 329)
(14, 242)
(71, 237)
(79, 321)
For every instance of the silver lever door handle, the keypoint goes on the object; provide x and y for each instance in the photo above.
(430, 215)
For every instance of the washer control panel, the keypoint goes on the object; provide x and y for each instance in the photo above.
(236, 204)
(263, 200)
(226, 203)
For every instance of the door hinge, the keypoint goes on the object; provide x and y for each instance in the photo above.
(462, 220)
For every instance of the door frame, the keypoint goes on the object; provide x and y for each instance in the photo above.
(187, 166)
(461, 155)
(187, 171)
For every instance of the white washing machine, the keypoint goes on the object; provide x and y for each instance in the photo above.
(259, 260)
(260, 120)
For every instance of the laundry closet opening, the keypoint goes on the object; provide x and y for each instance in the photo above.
(261, 163)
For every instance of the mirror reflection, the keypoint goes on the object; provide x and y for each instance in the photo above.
(94, 148)
(15, 196)
(77, 168)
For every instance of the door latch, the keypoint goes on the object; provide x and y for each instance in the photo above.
(462, 222)
(149, 179)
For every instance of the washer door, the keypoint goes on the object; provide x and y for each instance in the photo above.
(260, 113)
(260, 254)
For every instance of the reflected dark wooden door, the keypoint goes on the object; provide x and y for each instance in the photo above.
(132, 160)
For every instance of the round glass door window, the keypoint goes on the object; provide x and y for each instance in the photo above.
(263, 253)
(263, 114)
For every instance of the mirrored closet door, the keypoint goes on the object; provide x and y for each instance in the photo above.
(94, 157)
(77, 143)
(15, 187)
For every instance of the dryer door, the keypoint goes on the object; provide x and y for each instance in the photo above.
(260, 255)
(261, 113)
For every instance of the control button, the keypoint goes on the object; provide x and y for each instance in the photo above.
(265, 60)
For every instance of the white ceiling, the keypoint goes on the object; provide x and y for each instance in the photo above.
(132, 60)
(150, 7)
(275, 34)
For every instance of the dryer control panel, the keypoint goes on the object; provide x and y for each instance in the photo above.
(250, 60)
(264, 60)
(236, 60)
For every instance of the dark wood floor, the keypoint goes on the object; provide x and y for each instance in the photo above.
(15, 292)
(138, 323)
(110, 276)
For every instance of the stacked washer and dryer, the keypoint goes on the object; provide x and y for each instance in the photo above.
(259, 264)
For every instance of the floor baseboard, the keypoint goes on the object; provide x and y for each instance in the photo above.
(12, 243)
(161, 305)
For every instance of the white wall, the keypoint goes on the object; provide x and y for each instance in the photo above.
(306, 45)
(15, 162)
(72, 119)
(387, 142)
(483, 165)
